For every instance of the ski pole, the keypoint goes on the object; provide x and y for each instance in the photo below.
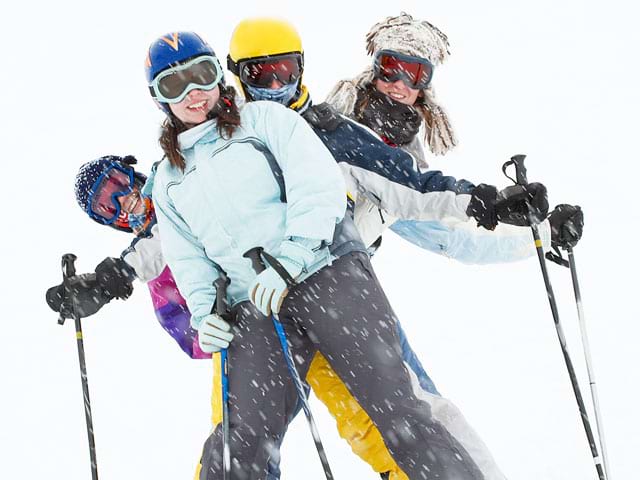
(521, 179)
(571, 264)
(67, 310)
(220, 309)
(255, 255)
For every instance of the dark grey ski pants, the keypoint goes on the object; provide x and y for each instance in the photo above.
(343, 312)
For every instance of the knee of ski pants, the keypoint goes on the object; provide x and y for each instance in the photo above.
(273, 467)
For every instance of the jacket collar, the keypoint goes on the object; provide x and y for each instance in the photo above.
(189, 138)
(303, 102)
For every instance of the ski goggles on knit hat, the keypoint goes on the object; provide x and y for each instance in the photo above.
(390, 66)
(103, 201)
(173, 84)
(261, 72)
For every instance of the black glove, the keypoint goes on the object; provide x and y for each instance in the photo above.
(566, 223)
(323, 116)
(482, 206)
(515, 205)
(522, 205)
(115, 277)
(89, 297)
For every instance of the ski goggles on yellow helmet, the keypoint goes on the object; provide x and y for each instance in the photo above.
(260, 72)
(390, 66)
(173, 84)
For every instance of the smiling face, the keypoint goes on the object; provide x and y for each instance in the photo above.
(398, 91)
(132, 203)
(193, 109)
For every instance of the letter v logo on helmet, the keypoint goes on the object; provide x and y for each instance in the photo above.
(172, 42)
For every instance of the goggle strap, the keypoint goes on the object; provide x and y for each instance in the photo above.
(269, 57)
(232, 66)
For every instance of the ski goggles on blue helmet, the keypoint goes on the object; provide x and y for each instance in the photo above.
(173, 84)
(103, 204)
(390, 66)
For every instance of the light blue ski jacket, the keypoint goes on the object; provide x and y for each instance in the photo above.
(466, 243)
(227, 201)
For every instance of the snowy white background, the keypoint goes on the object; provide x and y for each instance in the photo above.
(557, 80)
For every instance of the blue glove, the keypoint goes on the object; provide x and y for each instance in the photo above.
(214, 334)
(268, 290)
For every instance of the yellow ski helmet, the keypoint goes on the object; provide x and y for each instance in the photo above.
(261, 38)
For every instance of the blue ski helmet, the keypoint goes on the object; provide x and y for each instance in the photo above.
(89, 176)
(172, 49)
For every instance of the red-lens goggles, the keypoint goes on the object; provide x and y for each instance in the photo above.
(261, 72)
(390, 66)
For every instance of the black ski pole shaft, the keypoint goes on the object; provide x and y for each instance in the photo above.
(521, 176)
(255, 255)
(220, 308)
(587, 357)
(68, 272)
(565, 353)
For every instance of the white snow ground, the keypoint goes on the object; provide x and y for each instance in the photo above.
(555, 80)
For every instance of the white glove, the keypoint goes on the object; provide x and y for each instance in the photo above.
(214, 334)
(268, 290)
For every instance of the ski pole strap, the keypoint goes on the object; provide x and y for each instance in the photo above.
(521, 172)
(557, 257)
(280, 270)
(257, 254)
(254, 254)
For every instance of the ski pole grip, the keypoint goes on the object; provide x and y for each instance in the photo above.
(255, 255)
(68, 272)
(220, 307)
(521, 171)
(68, 265)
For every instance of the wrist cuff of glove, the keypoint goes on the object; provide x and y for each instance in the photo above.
(300, 252)
(196, 321)
(117, 267)
(127, 270)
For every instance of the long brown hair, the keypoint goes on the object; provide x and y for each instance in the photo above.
(226, 113)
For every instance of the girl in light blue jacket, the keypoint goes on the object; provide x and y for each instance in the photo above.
(236, 179)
